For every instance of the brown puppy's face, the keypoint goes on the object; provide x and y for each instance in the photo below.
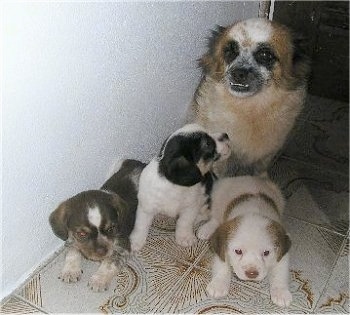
(92, 222)
(252, 55)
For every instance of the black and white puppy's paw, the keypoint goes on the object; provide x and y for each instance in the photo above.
(97, 223)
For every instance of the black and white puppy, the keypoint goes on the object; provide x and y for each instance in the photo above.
(176, 182)
(97, 223)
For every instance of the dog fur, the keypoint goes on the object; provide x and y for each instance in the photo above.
(177, 182)
(246, 233)
(253, 87)
(96, 224)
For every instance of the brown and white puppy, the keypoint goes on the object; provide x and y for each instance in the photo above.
(97, 223)
(246, 233)
(253, 87)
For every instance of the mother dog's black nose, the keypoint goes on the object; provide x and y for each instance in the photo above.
(251, 273)
(240, 75)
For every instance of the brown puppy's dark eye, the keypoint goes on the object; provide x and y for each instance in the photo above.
(266, 253)
(82, 235)
(238, 251)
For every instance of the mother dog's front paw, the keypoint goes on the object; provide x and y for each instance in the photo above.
(281, 296)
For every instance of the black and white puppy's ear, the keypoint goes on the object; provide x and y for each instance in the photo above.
(58, 220)
(181, 171)
(219, 240)
(176, 162)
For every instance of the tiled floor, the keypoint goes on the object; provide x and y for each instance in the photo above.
(166, 278)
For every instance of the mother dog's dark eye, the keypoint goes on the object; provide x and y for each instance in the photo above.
(265, 57)
(266, 253)
(231, 51)
(238, 251)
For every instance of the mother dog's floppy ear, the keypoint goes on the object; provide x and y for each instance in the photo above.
(223, 233)
(181, 171)
(281, 240)
(58, 222)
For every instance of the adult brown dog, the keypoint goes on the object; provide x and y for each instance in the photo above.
(253, 87)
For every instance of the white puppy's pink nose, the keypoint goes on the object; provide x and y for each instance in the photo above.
(251, 273)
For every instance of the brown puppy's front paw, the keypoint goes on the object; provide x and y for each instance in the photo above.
(70, 275)
(98, 283)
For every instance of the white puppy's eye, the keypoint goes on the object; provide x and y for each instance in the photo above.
(266, 252)
(238, 251)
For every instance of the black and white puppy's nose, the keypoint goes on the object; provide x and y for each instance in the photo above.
(223, 137)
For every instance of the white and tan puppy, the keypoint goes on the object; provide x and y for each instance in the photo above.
(253, 87)
(246, 234)
(178, 182)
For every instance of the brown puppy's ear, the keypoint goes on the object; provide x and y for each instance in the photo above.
(281, 240)
(125, 221)
(223, 233)
(58, 221)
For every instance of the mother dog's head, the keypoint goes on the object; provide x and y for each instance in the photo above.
(254, 54)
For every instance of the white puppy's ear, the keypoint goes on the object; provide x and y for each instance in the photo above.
(223, 233)
(281, 240)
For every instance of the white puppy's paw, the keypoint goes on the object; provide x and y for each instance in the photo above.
(281, 296)
(185, 240)
(217, 289)
(205, 231)
(69, 275)
(98, 283)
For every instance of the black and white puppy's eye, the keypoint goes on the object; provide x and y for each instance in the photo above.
(231, 51)
(265, 57)
(110, 230)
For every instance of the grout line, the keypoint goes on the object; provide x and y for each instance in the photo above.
(42, 264)
(30, 303)
(332, 271)
(316, 225)
(315, 166)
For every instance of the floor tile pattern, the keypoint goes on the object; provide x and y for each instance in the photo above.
(167, 278)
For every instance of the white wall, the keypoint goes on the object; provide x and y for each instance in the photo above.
(83, 84)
